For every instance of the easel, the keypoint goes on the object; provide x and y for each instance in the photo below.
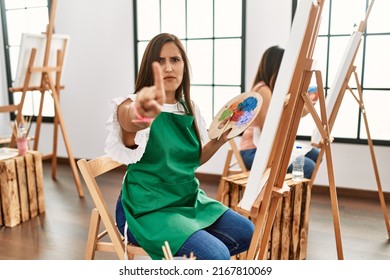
(263, 210)
(47, 84)
(359, 99)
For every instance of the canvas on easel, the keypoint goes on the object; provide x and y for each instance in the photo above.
(345, 73)
(40, 68)
(59, 42)
(266, 180)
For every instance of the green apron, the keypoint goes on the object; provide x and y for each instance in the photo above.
(160, 194)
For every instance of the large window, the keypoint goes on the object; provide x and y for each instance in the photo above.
(23, 16)
(339, 19)
(212, 33)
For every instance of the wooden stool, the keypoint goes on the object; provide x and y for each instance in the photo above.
(289, 233)
(21, 188)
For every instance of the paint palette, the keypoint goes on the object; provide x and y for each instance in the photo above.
(236, 115)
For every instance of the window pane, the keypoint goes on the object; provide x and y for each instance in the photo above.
(173, 17)
(228, 21)
(28, 21)
(344, 17)
(203, 97)
(200, 55)
(376, 72)
(227, 62)
(200, 18)
(307, 124)
(378, 116)
(378, 20)
(148, 17)
(346, 122)
(141, 50)
(37, 20)
(320, 54)
(14, 57)
(14, 4)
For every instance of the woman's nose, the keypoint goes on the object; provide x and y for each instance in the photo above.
(168, 67)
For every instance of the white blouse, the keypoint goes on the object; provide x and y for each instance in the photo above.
(114, 146)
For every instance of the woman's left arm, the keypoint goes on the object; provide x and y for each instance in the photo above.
(213, 146)
(210, 147)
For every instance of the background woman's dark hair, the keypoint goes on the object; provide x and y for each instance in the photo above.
(269, 66)
(145, 74)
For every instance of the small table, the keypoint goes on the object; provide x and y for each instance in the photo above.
(21, 188)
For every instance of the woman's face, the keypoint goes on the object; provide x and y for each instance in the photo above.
(172, 65)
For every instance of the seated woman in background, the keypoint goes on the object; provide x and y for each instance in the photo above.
(264, 84)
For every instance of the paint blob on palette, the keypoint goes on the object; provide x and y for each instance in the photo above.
(236, 115)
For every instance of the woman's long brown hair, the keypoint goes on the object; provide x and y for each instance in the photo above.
(269, 67)
(145, 74)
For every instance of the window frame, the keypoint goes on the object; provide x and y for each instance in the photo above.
(45, 119)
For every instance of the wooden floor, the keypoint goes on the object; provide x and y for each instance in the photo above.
(60, 233)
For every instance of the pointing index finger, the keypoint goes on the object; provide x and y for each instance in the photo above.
(158, 82)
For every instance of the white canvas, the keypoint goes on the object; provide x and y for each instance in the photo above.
(282, 85)
(38, 41)
(335, 89)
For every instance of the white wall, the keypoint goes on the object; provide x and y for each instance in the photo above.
(100, 67)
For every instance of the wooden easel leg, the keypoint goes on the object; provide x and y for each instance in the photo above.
(66, 139)
(372, 152)
(378, 181)
(39, 120)
(334, 202)
(55, 145)
(261, 218)
(324, 128)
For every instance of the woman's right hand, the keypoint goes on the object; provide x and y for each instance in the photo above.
(150, 100)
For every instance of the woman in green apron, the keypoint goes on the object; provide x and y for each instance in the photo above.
(158, 132)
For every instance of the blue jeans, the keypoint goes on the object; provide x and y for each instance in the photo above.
(308, 167)
(230, 235)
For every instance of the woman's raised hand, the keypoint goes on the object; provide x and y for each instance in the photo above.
(151, 99)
